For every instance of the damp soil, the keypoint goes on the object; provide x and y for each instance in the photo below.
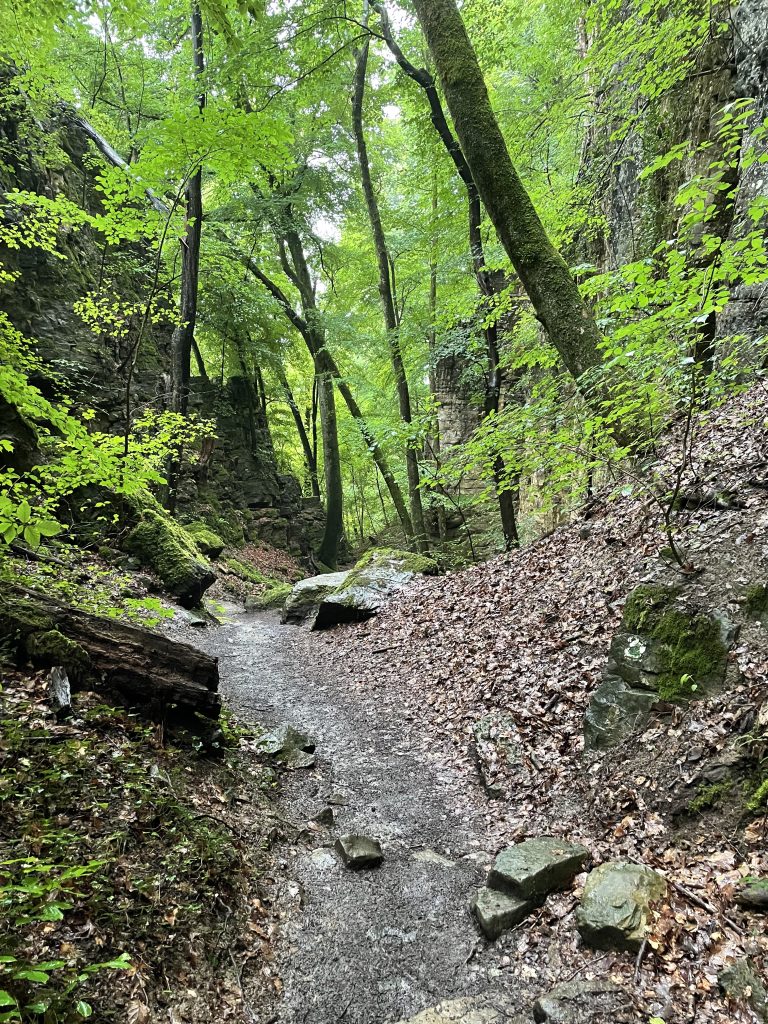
(382, 944)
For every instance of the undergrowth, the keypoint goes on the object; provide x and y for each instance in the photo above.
(119, 874)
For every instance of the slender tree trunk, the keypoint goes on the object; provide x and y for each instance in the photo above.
(570, 325)
(183, 336)
(387, 299)
(328, 552)
(306, 447)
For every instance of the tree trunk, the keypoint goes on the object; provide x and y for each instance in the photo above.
(183, 336)
(543, 272)
(306, 447)
(387, 299)
(150, 670)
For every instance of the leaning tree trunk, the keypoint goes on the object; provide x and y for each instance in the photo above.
(570, 325)
(387, 299)
(148, 669)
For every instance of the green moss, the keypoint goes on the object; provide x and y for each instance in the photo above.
(756, 600)
(164, 545)
(274, 596)
(688, 645)
(209, 542)
(246, 572)
(759, 799)
(710, 796)
(411, 562)
(53, 648)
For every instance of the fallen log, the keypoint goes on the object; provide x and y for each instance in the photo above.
(147, 669)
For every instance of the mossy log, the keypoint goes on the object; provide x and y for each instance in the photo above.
(148, 670)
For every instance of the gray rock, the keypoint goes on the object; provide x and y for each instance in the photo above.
(306, 596)
(359, 851)
(369, 585)
(325, 817)
(742, 983)
(615, 711)
(615, 905)
(289, 746)
(534, 868)
(585, 1002)
(498, 911)
(753, 895)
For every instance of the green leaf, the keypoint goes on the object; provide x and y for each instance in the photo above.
(84, 1009)
(6, 999)
(49, 528)
(32, 536)
(24, 512)
(40, 976)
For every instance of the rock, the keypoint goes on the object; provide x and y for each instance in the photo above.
(209, 542)
(742, 983)
(615, 905)
(497, 911)
(359, 851)
(323, 860)
(325, 817)
(306, 595)
(370, 584)
(753, 895)
(289, 746)
(59, 693)
(615, 711)
(478, 1010)
(585, 1002)
(664, 650)
(162, 544)
(534, 868)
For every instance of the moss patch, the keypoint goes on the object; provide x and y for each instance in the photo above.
(410, 561)
(710, 796)
(756, 600)
(53, 648)
(759, 799)
(164, 545)
(274, 596)
(209, 542)
(688, 644)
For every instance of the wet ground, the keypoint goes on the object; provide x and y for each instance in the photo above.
(379, 945)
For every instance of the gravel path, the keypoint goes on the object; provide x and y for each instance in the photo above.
(379, 945)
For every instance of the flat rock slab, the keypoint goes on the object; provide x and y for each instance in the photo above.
(467, 1011)
(534, 868)
(359, 851)
(585, 1002)
(498, 911)
(616, 903)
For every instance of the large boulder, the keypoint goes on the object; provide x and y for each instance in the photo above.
(664, 650)
(306, 595)
(616, 904)
(162, 544)
(369, 585)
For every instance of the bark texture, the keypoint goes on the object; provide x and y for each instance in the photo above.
(148, 669)
(542, 270)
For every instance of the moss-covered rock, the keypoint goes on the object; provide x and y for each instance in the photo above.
(664, 650)
(53, 648)
(306, 595)
(379, 574)
(756, 601)
(209, 542)
(162, 544)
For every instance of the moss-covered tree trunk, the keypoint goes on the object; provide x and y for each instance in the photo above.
(543, 272)
(386, 291)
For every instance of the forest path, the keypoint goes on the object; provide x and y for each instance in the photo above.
(378, 945)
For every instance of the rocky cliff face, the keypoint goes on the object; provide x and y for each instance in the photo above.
(641, 213)
(236, 477)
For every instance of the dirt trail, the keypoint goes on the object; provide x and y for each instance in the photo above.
(380, 945)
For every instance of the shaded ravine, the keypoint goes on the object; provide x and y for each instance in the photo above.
(378, 945)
